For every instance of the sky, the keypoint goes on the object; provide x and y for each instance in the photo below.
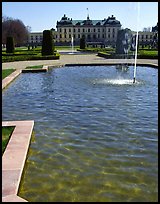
(44, 15)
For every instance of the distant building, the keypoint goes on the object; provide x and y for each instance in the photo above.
(96, 32)
(144, 38)
(35, 38)
(102, 31)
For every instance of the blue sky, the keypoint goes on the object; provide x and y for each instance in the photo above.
(44, 15)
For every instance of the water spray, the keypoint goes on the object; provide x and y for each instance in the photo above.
(135, 62)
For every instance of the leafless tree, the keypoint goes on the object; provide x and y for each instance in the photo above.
(16, 29)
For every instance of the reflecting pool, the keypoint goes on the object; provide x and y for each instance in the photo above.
(95, 133)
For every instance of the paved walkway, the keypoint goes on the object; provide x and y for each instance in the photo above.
(75, 59)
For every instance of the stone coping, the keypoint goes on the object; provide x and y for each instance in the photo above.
(13, 159)
(112, 63)
(43, 69)
(6, 81)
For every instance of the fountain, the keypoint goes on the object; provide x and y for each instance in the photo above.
(135, 62)
(72, 46)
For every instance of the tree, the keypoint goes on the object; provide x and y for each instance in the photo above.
(16, 29)
(10, 45)
(82, 43)
(47, 43)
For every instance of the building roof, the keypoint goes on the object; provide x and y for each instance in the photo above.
(110, 21)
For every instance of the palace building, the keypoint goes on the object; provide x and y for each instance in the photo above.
(96, 32)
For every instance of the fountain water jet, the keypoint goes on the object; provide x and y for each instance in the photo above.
(135, 62)
(72, 46)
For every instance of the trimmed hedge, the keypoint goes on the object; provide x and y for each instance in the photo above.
(24, 58)
(47, 43)
(82, 43)
(10, 45)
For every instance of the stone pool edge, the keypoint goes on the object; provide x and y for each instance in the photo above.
(6, 81)
(13, 159)
(109, 63)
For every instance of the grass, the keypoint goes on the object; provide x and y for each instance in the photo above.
(148, 52)
(34, 67)
(6, 133)
(65, 47)
(7, 72)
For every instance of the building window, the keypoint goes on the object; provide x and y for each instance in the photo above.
(94, 36)
(83, 30)
(108, 35)
(146, 36)
(98, 29)
(88, 36)
(89, 30)
(65, 36)
(69, 30)
(74, 36)
(98, 35)
(74, 30)
(108, 29)
(103, 36)
(78, 29)
(113, 30)
(60, 30)
(103, 29)
(142, 36)
(60, 36)
(69, 35)
(94, 30)
(78, 35)
(65, 30)
(113, 35)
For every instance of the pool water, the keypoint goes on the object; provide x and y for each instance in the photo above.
(96, 133)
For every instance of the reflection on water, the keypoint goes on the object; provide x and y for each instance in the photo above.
(95, 133)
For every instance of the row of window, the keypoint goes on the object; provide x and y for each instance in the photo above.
(36, 37)
(88, 36)
(146, 36)
(87, 30)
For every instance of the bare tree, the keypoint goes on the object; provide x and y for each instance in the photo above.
(16, 29)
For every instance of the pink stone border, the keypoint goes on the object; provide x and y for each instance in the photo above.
(13, 159)
(10, 78)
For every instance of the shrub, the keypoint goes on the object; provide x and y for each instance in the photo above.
(47, 43)
(82, 43)
(10, 45)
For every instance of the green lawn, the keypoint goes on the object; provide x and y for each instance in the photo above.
(7, 72)
(148, 52)
(6, 133)
(34, 67)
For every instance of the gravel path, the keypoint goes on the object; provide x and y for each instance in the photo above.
(74, 59)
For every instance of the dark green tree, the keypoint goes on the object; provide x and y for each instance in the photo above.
(82, 43)
(47, 43)
(10, 45)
